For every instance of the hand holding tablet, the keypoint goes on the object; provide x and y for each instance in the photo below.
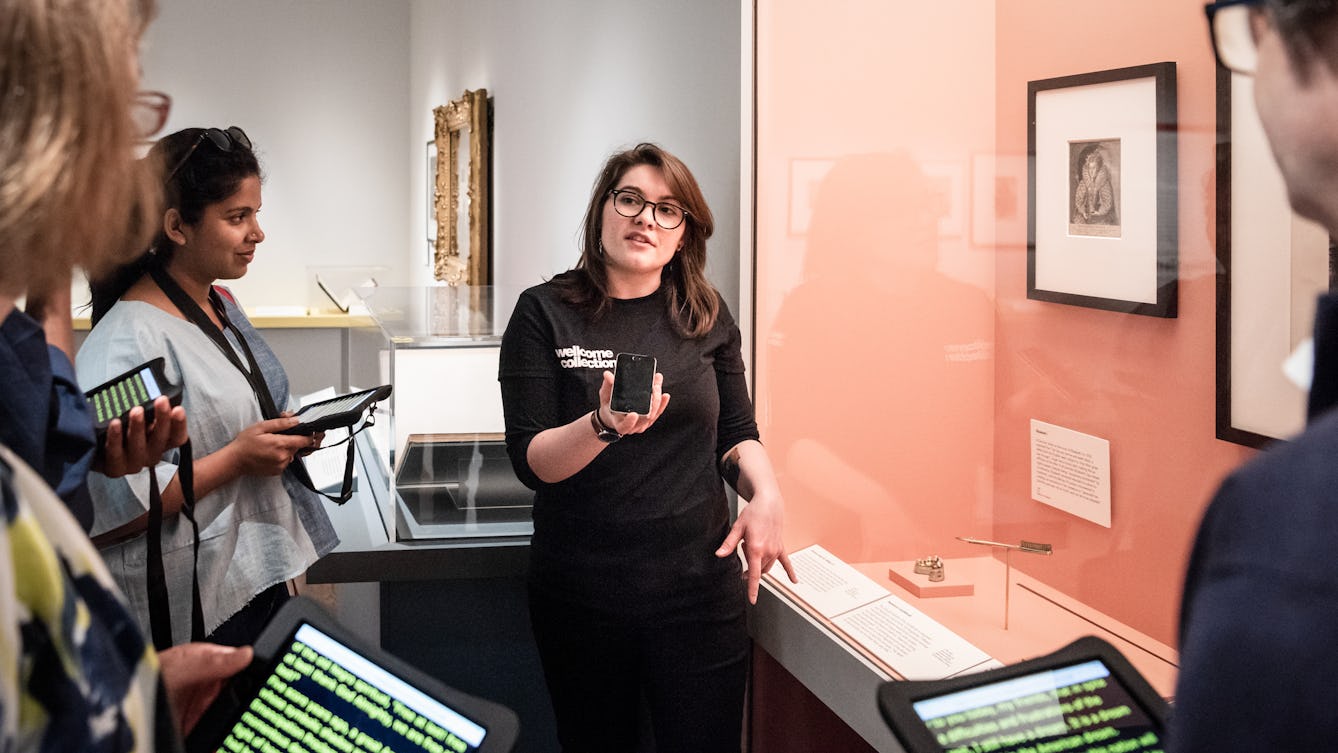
(313, 684)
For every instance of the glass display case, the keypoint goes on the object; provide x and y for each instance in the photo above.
(452, 485)
(919, 392)
(440, 442)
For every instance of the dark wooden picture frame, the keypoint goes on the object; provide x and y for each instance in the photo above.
(1125, 260)
(1271, 407)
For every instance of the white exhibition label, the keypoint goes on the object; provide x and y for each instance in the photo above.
(829, 585)
(906, 639)
(1071, 471)
(909, 640)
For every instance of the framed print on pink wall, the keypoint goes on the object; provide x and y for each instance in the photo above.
(1101, 190)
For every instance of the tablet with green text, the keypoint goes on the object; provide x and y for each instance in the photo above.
(1083, 697)
(139, 386)
(312, 686)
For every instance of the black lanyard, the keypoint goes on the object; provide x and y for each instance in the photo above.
(192, 311)
(250, 370)
(160, 618)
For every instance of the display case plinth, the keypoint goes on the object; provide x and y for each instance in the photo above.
(904, 575)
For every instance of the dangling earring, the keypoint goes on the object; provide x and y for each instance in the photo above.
(601, 248)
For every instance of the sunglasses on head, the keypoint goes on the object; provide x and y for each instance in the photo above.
(222, 139)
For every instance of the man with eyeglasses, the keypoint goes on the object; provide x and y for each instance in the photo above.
(1259, 619)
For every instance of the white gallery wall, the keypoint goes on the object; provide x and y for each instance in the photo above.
(322, 88)
(338, 97)
(571, 82)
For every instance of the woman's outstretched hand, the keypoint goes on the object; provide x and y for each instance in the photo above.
(758, 529)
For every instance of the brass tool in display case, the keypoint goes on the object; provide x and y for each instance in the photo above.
(1030, 547)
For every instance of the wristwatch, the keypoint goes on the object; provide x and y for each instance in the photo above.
(602, 432)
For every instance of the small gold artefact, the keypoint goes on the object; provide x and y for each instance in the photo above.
(931, 566)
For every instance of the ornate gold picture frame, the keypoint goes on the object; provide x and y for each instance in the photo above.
(462, 252)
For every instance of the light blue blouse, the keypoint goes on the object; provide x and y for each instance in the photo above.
(255, 531)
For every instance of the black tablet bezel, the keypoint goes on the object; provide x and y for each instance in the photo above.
(343, 418)
(896, 699)
(156, 367)
(501, 723)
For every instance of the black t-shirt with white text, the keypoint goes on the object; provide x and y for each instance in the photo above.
(635, 531)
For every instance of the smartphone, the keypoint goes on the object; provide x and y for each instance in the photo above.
(632, 378)
(139, 386)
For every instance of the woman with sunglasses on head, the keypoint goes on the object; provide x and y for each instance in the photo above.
(636, 594)
(258, 526)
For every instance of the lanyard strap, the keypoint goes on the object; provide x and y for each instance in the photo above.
(192, 311)
(250, 370)
(160, 617)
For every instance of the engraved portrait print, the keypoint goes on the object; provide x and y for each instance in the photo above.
(1094, 188)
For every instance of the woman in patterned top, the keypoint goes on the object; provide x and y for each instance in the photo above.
(75, 673)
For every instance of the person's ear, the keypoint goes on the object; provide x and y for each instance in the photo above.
(173, 226)
(1259, 23)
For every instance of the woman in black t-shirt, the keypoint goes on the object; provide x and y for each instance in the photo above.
(636, 598)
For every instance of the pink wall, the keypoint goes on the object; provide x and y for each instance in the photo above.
(1145, 384)
(898, 359)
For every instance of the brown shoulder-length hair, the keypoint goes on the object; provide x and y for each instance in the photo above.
(71, 192)
(692, 301)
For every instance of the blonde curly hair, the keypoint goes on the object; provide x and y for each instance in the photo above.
(71, 191)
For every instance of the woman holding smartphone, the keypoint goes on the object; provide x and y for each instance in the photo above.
(635, 590)
(259, 527)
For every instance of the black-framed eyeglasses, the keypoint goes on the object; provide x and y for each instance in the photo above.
(1233, 41)
(223, 139)
(629, 203)
(149, 113)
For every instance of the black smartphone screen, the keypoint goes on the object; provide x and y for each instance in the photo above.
(632, 378)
